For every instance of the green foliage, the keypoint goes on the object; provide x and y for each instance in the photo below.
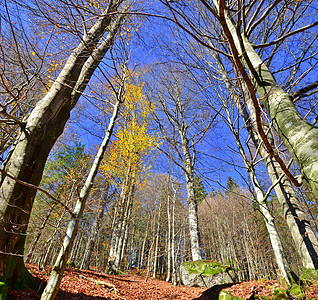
(70, 164)
(294, 292)
(297, 292)
(309, 276)
(280, 294)
(224, 295)
(3, 291)
(199, 190)
(70, 264)
(204, 267)
(231, 185)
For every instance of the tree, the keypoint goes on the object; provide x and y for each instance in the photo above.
(199, 190)
(297, 134)
(301, 231)
(126, 161)
(254, 35)
(26, 159)
(182, 128)
(58, 269)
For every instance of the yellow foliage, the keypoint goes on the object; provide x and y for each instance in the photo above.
(134, 142)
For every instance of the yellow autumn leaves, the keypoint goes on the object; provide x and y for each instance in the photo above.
(134, 143)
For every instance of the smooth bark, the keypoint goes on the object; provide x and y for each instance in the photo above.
(53, 285)
(28, 154)
(305, 240)
(299, 136)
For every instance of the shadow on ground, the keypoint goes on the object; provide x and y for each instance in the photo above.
(213, 292)
(29, 294)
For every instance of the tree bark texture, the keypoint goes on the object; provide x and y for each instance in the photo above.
(53, 285)
(192, 203)
(28, 154)
(306, 242)
(299, 136)
(304, 238)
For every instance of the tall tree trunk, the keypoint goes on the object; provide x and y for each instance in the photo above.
(300, 137)
(126, 214)
(192, 203)
(281, 261)
(150, 255)
(118, 223)
(60, 264)
(169, 240)
(155, 258)
(141, 262)
(28, 155)
(305, 240)
(173, 239)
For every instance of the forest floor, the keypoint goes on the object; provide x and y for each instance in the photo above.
(81, 284)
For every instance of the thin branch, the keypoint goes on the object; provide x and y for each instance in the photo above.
(305, 90)
(250, 87)
(39, 189)
(282, 38)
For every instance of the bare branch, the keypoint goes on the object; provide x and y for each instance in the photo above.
(282, 38)
(39, 189)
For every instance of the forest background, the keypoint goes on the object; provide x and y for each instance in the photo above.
(165, 131)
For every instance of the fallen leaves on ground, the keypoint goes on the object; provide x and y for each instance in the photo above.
(249, 289)
(82, 284)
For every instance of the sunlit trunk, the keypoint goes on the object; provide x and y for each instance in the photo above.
(28, 155)
(192, 204)
(53, 285)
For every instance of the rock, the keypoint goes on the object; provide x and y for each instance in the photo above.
(204, 273)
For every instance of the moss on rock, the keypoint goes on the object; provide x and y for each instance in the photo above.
(3, 291)
(206, 273)
(296, 292)
(204, 267)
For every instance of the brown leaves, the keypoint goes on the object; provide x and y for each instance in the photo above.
(80, 284)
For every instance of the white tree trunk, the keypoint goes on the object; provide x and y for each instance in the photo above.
(168, 240)
(305, 240)
(58, 269)
(28, 155)
(155, 258)
(173, 240)
(123, 226)
(141, 262)
(192, 203)
(300, 137)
